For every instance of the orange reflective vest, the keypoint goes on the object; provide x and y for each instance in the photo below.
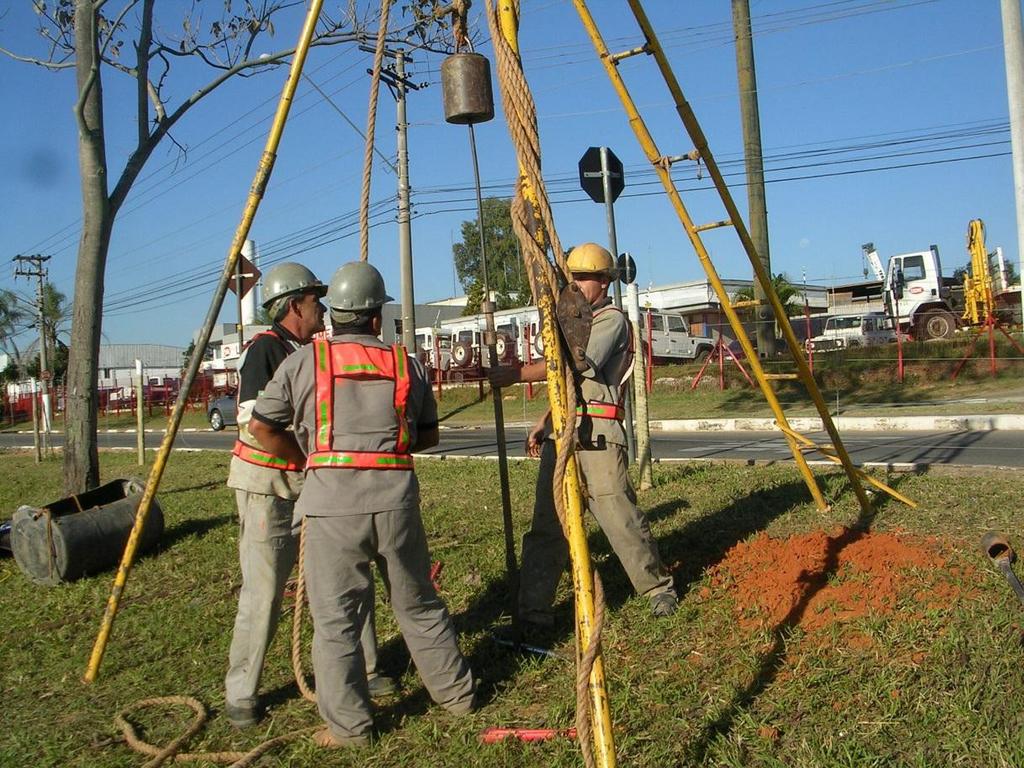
(349, 360)
(258, 456)
(263, 459)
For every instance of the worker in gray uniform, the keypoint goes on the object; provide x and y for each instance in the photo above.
(352, 411)
(265, 491)
(600, 454)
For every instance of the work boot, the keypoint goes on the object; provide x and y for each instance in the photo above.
(326, 739)
(381, 686)
(242, 715)
(663, 604)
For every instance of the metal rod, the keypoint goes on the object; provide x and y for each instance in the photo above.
(259, 185)
(511, 564)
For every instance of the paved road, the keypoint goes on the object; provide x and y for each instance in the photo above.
(990, 448)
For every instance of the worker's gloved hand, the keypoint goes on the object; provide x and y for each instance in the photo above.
(502, 376)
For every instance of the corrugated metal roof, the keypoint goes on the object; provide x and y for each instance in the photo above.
(151, 355)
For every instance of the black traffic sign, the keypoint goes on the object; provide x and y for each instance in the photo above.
(626, 267)
(592, 174)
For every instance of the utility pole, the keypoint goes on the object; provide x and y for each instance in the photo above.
(37, 270)
(757, 210)
(394, 77)
(1013, 53)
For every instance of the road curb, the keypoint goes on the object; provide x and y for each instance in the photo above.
(979, 423)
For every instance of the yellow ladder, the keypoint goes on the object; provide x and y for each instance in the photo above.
(661, 163)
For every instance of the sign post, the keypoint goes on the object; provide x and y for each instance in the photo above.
(603, 179)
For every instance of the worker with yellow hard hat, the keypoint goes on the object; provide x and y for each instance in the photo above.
(600, 453)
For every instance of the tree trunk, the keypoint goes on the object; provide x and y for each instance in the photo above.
(81, 458)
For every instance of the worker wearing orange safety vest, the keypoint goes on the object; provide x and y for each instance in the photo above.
(352, 411)
(265, 491)
(600, 454)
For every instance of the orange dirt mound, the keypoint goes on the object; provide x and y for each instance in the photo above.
(816, 579)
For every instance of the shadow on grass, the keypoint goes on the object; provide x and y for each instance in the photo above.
(191, 527)
(461, 408)
(773, 660)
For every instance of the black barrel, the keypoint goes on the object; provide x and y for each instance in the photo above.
(81, 535)
(466, 87)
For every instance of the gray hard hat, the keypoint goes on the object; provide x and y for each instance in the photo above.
(356, 287)
(285, 280)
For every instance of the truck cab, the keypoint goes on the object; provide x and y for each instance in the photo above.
(915, 292)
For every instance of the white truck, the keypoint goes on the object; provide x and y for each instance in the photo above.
(849, 331)
(916, 295)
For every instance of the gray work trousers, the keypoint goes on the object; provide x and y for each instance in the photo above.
(267, 548)
(338, 554)
(612, 501)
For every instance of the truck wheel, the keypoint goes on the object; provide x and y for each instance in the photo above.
(937, 324)
(503, 347)
(702, 354)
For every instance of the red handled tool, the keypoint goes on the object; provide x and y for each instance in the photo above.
(494, 735)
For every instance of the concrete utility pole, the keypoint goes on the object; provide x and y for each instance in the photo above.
(404, 226)
(37, 270)
(394, 78)
(757, 210)
(1013, 53)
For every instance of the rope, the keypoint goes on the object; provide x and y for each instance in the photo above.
(160, 755)
(371, 125)
(300, 600)
(521, 117)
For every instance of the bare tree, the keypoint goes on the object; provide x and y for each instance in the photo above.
(131, 41)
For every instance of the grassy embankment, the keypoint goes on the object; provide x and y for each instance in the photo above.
(927, 682)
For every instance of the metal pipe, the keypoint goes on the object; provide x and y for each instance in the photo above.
(511, 565)
(259, 185)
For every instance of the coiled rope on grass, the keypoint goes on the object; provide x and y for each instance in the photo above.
(170, 751)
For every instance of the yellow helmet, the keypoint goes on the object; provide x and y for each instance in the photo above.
(591, 259)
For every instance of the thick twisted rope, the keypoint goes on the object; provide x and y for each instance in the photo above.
(521, 118)
(300, 601)
(371, 126)
(160, 755)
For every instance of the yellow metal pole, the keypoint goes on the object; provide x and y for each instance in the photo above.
(579, 553)
(829, 453)
(259, 185)
(651, 150)
(796, 349)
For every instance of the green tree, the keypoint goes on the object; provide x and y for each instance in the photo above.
(505, 272)
(788, 294)
(169, 55)
(15, 319)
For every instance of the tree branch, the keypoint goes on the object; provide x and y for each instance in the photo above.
(142, 83)
(52, 65)
(141, 154)
(115, 24)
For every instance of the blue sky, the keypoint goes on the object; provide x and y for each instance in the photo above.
(881, 120)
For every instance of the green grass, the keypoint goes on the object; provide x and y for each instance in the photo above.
(928, 686)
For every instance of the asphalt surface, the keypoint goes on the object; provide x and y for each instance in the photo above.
(992, 448)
